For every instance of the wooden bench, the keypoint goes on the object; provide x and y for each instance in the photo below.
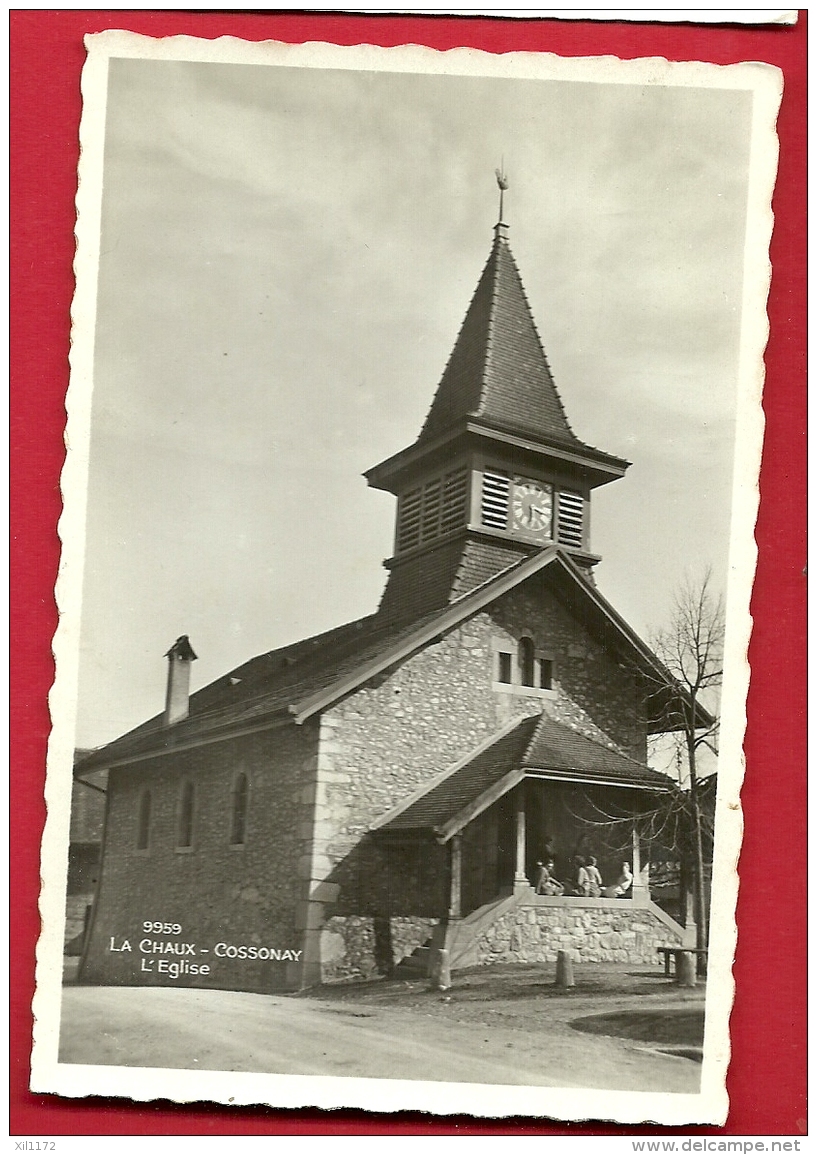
(672, 952)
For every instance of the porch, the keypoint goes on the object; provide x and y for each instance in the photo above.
(537, 792)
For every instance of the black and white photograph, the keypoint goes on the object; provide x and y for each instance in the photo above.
(413, 439)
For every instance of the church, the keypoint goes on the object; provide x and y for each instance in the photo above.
(363, 800)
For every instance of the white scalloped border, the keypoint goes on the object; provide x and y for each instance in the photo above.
(143, 1084)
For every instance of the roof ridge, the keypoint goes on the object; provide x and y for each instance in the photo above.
(489, 336)
(303, 641)
(500, 241)
(310, 690)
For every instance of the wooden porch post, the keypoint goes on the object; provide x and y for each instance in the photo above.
(520, 878)
(455, 894)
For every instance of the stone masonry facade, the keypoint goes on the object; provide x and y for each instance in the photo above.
(246, 895)
(400, 730)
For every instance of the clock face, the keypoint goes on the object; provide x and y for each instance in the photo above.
(532, 507)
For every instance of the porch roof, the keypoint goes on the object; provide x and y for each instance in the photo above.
(536, 747)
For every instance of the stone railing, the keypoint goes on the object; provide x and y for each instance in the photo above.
(528, 928)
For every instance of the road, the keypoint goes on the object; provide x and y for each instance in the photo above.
(234, 1031)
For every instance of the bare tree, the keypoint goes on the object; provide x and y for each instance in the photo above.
(691, 649)
(681, 695)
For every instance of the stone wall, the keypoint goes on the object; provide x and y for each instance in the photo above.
(401, 729)
(594, 693)
(614, 931)
(354, 947)
(242, 896)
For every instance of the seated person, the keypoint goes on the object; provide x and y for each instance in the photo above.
(594, 877)
(546, 883)
(621, 888)
(625, 880)
(581, 886)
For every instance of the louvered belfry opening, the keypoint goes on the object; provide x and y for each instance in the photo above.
(570, 507)
(432, 510)
(496, 492)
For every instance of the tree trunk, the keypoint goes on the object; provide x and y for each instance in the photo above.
(701, 913)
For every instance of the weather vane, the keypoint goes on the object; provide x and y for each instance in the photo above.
(502, 181)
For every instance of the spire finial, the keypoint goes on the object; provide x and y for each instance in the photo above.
(502, 181)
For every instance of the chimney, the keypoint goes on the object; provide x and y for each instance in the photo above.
(177, 701)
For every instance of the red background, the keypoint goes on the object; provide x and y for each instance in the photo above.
(767, 1075)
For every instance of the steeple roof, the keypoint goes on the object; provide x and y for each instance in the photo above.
(498, 372)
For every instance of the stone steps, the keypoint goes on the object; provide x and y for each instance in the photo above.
(460, 939)
(414, 965)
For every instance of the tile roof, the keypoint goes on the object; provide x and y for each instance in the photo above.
(560, 751)
(422, 582)
(435, 577)
(482, 560)
(536, 746)
(272, 684)
(260, 687)
(498, 370)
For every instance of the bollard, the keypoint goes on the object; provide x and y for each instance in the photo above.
(685, 969)
(564, 970)
(439, 970)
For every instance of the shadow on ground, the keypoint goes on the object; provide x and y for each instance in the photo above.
(676, 1030)
(503, 983)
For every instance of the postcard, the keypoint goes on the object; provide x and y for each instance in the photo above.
(457, 830)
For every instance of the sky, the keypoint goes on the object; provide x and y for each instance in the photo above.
(286, 257)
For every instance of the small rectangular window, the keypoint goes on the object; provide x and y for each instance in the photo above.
(545, 674)
(504, 666)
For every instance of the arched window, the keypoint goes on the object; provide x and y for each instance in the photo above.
(143, 822)
(238, 822)
(527, 662)
(186, 801)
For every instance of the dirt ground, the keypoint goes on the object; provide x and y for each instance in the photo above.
(619, 1028)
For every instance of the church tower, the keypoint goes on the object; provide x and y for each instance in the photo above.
(496, 473)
